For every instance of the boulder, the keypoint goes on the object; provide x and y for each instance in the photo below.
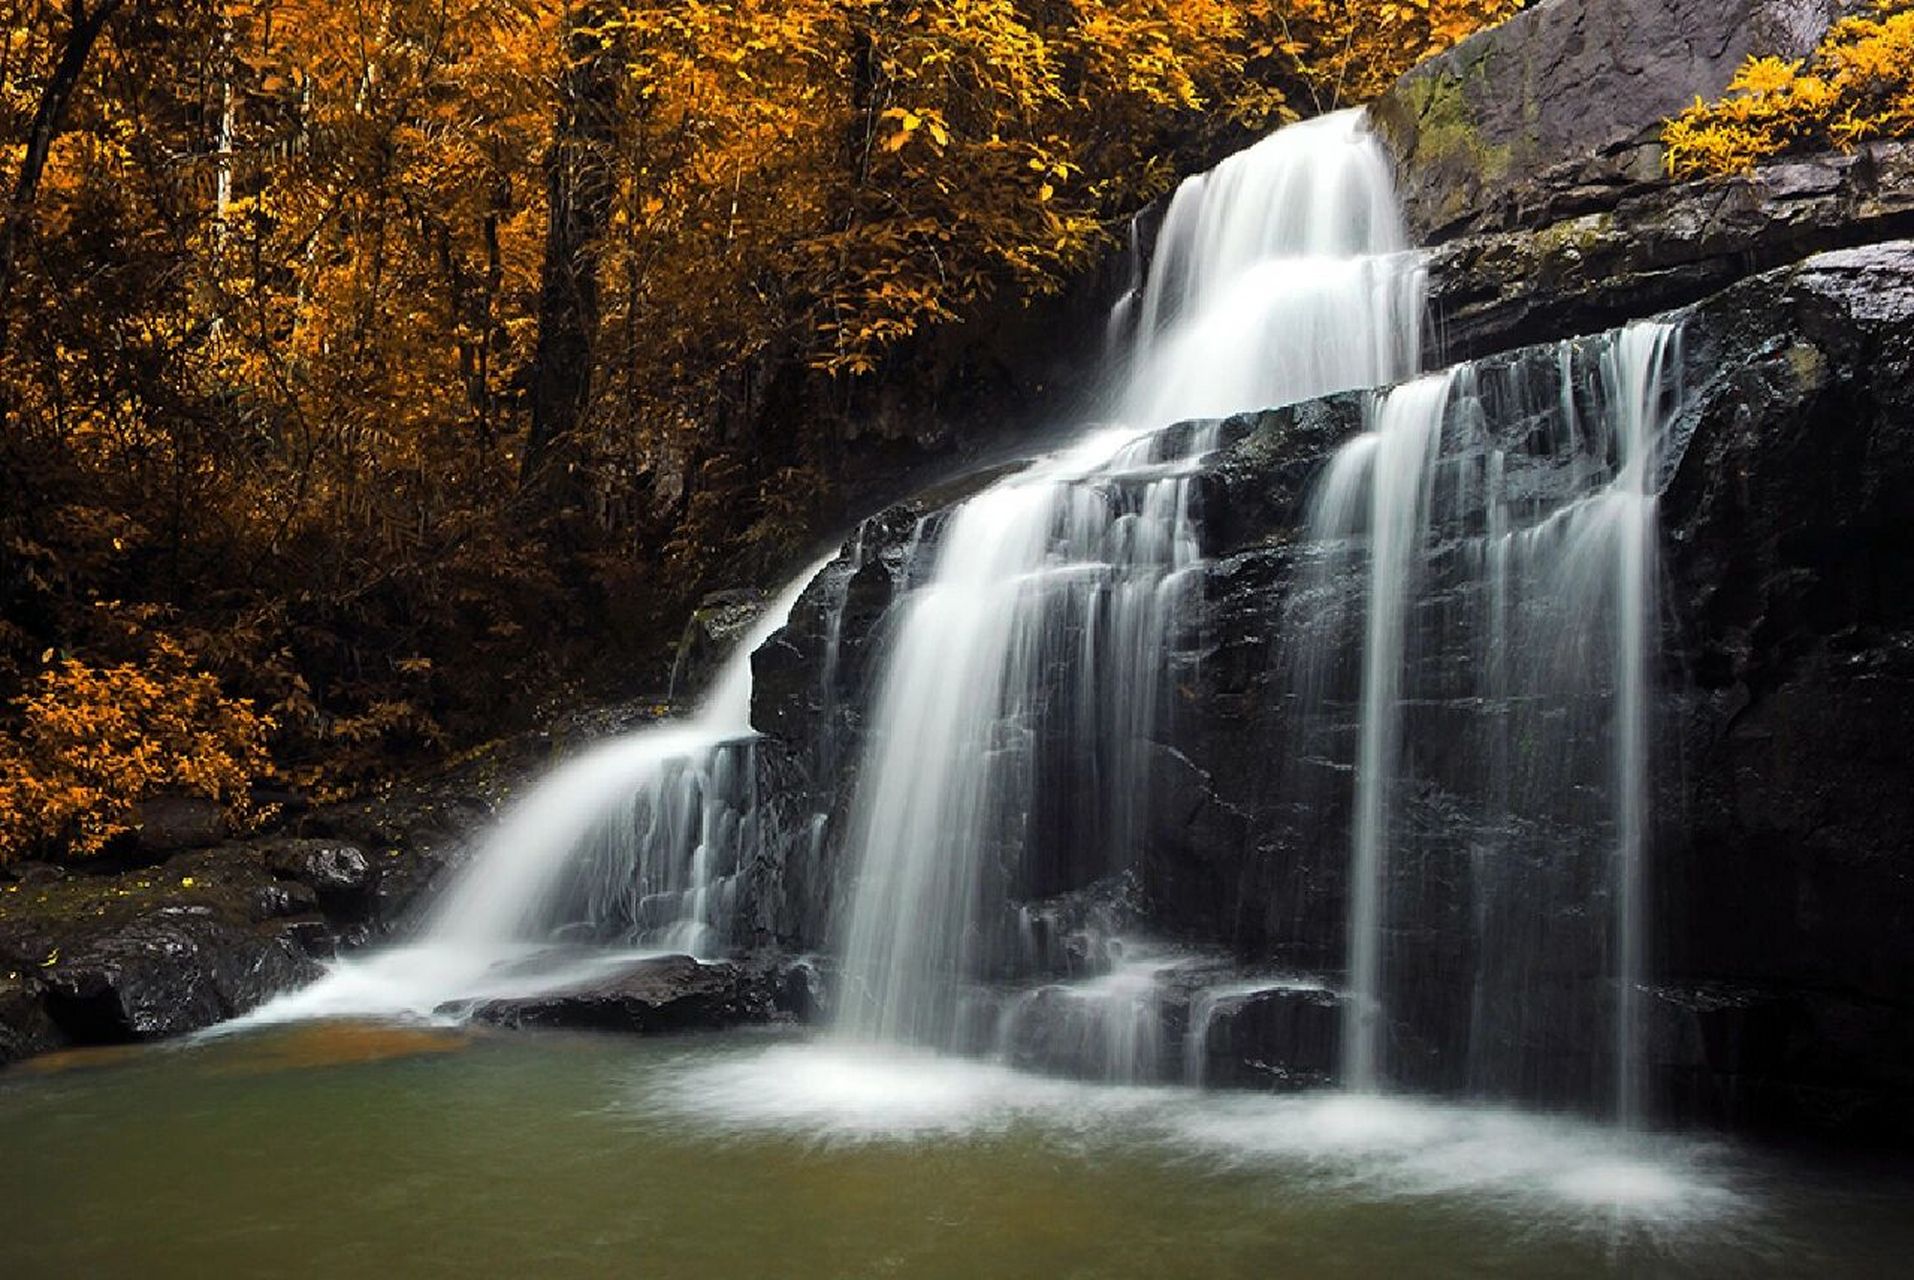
(25, 1027)
(177, 969)
(1558, 112)
(667, 994)
(171, 823)
(714, 629)
(337, 872)
(108, 958)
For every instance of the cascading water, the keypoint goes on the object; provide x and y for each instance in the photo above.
(1278, 277)
(637, 842)
(1469, 642)
(638, 838)
(1503, 522)
(1478, 572)
(1380, 482)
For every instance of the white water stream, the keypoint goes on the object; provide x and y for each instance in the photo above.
(644, 830)
(1278, 277)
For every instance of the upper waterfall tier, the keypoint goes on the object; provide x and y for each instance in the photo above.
(1277, 276)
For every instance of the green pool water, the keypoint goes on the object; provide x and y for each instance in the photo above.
(355, 1150)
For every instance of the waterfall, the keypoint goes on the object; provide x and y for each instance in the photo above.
(640, 836)
(1467, 648)
(1388, 470)
(1640, 371)
(1278, 277)
(638, 842)
(1487, 545)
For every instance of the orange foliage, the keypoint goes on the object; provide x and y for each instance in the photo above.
(95, 741)
(1350, 51)
(1857, 86)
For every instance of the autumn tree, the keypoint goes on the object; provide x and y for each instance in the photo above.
(401, 360)
(581, 177)
(83, 25)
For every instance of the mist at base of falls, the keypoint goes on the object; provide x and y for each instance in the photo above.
(1368, 1147)
(326, 1149)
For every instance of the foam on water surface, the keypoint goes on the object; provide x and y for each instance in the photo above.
(1347, 1145)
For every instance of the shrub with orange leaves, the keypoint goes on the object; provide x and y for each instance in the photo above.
(1858, 86)
(95, 741)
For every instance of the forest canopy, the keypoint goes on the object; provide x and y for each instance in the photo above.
(368, 368)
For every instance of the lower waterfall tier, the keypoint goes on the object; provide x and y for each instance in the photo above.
(1775, 949)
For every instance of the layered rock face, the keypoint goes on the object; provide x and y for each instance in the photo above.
(1780, 890)
(1778, 949)
(1557, 112)
(1774, 992)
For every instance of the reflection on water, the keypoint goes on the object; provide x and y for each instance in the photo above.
(350, 1148)
(332, 1044)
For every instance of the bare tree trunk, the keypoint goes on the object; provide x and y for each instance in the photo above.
(82, 33)
(223, 158)
(583, 184)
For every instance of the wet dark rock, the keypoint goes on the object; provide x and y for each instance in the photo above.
(1661, 246)
(714, 629)
(26, 1028)
(171, 823)
(1780, 1060)
(1281, 1038)
(177, 969)
(668, 994)
(1781, 861)
(282, 899)
(337, 872)
(800, 988)
(815, 671)
(110, 956)
(812, 687)
(1077, 933)
(1557, 113)
(1791, 565)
